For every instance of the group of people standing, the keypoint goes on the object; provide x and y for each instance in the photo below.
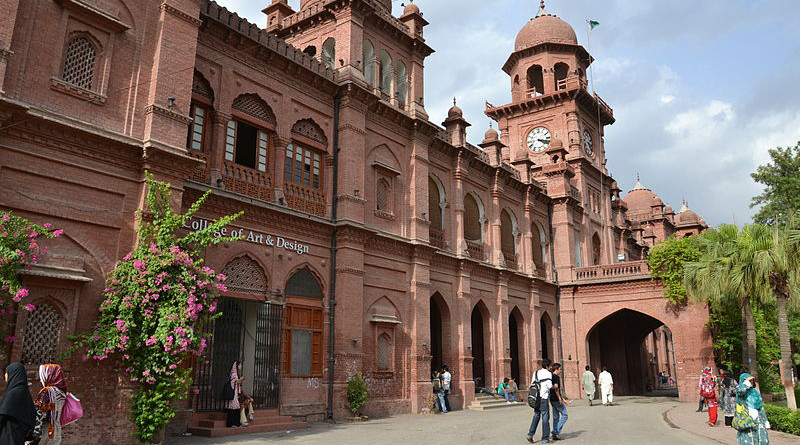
(548, 378)
(739, 400)
(440, 380)
(25, 421)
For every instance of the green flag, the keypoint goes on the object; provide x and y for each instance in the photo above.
(593, 24)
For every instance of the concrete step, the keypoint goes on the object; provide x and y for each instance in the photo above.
(484, 406)
(253, 428)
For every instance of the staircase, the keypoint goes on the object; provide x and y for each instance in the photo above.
(483, 402)
(212, 424)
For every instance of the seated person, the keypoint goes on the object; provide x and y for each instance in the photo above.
(504, 389)
(480, 389)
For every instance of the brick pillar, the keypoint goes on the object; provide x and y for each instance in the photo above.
(217, 153)
(8, 19)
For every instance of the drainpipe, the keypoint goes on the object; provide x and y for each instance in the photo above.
(332, 296)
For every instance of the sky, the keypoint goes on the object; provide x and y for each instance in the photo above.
(701, 90)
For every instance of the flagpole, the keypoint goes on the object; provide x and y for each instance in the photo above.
(589, 45)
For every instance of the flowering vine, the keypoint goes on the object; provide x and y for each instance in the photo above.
(156, 302)
(20, 248)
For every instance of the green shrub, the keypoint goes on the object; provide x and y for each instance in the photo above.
(356, 394)
(783, 419)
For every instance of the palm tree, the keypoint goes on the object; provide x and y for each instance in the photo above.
(710, 279)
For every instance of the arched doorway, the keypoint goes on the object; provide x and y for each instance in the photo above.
(515, 341)
(546, 336)
(439, 322)
(479, 326)
(623, 342)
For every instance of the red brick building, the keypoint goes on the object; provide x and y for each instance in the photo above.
(374, 239)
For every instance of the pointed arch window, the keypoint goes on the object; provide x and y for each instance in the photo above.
(247, 137)
(329, 52)
(386, 73)
(302, 350)
(80, 62)
(384, 352)
(402, 84)
(369, 62)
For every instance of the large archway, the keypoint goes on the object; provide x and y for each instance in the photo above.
(516, 337)
(479, 322)
(546, 336)
(618, 342)
(439, 330)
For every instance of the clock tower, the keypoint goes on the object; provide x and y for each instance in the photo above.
(556, 124)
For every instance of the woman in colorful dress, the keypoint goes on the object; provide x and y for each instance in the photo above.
(17, 413)
(727, 397)
(51, 401)
(232, 406)
(748, 395)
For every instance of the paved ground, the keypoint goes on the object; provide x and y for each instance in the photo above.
(685, 417)
(635, 420)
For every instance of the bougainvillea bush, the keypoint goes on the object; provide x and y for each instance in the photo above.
(157, 300)
(20, 248)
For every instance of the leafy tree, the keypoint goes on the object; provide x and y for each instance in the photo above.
(781, 179)
(666, 262)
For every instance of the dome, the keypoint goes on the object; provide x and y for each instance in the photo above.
(455, 112)
(411, 9)
(688, 217)
(642, 200)
(491, 135)
(545, 28)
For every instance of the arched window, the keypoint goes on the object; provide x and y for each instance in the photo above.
(538, 246)
(245, 276)
(386, 73)
(596, 249)
(369, 62)
(472, 219)
(435, 200)
(303, 162)
(384, 352)
(247, 137)
(42, 334)
(383, 197)
(561, 71)
(535, 80)
(202, 101)
(301, 354)
(80, 62)
(402, 84)
(329, 53)
(507, 242)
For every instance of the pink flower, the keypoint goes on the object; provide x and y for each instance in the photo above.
(22, 293)
(10, 339)
(47, 225)
(173, 366)
(29, 307)
(57, 233)
(146, 373)
(150, 341)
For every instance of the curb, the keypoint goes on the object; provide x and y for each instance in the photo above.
(672, 424)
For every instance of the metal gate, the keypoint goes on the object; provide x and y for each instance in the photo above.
(226, 346)
(267, 358)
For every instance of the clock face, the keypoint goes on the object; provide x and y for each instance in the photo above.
(538, 139)
(587, 143)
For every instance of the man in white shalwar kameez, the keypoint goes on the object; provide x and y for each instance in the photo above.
(606, 387)
(587, 381)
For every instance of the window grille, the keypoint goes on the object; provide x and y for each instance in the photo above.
(42, 334)
(384, 352)
(383, 195)
(79, 63)
(202, 87)
(245, 276)
(310, 130)
(252, 105)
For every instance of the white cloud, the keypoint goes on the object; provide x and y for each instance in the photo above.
(667, 98)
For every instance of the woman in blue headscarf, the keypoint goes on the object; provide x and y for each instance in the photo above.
(748, 395)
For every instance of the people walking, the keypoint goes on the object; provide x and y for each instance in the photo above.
(446, 379)
(727, 397)
(233, 406)
(748, 396)
(51, 401)
(606, 387)
(504, 389)
(544, 379)
(587, 381)
(438, 389)
(702, 403)
(17, 413)
(558, 401)
(708, 391)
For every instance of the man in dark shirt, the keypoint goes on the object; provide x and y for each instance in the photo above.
(558, 401)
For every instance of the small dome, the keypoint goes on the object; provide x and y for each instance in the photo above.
(545, 28)
(688, 217)
(455, 112)
(491, 135)
(411, 9)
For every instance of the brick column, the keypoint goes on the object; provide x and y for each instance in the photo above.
(8, 19)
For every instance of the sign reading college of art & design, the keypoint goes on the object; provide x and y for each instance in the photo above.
(251, 236)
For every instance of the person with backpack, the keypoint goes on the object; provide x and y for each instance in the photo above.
(708, 391)
(538, 399)
(438, 389)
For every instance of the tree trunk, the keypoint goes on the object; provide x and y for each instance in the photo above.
(750, 347)
(786, 352)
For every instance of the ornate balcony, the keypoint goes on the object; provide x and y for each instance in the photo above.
(305, 199)
(511, 260)
(612, 272)
(247, 181)
(200, 174)
(476, 250)
(436, 237)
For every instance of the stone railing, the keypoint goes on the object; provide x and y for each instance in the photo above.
(476, 250)
(247, 181)
(436, 237)
(304, 199)
(511, 260)
(200, 174)
(630, 269)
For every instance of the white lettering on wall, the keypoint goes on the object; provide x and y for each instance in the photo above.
(251, 236)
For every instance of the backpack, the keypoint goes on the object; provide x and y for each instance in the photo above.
(437, 384)
(535, 393)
